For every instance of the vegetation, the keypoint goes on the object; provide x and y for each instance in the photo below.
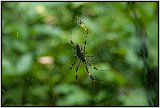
(37, 53)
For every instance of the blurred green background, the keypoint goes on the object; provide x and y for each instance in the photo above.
(37, 53)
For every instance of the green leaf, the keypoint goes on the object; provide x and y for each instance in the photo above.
(24, 63)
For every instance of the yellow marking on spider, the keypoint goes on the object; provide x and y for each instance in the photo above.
(82, 25)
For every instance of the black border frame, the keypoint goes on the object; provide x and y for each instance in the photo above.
(79, 1)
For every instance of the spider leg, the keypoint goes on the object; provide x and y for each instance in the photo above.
(73, 64)
(72, 44)
(89, 56)
(89, 73)
(94, 67)
(92, 55)
(73, 48)
(77, 68)
(82, 25)
(85, 41)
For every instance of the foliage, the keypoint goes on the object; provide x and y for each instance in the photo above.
(37, 54)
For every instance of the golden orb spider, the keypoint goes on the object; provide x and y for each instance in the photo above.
(80, 53)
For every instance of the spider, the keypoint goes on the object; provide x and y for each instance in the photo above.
(80, 54)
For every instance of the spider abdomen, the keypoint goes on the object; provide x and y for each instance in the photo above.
(80, 54)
